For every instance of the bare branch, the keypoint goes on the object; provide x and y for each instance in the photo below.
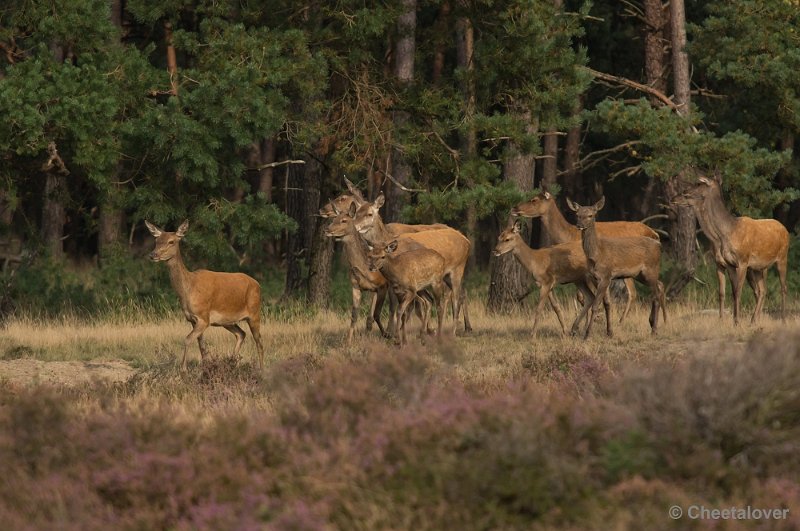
(276, 164)
(636, 86)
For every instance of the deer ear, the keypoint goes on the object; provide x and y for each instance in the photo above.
(572, 205)
(704, 180)
(599, 204)
(517, 227)
(379, 200)
(181, 232)
(353, 209)
(546, 195)
(155, 231)
(392, 247)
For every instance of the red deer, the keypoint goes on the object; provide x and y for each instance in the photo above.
(564, 263)
(609, 258)
(453, 246)
(559, 230)
(746, 247)
(361, 277)
(209, 298)
(409, 273)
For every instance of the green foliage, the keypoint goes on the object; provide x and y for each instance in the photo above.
(664, 145)
(452, 204)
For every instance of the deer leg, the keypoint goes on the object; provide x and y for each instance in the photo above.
(406, 300)
(737, 275)
(354, 313)
(588, 297)
(757, 282)
(196, 334)
(377, 306)
(600, 294)
(392, 326)
(439, 295)
(425, 304)
(662, 298)
(557, 308)
(631, 288)
(782, 266)
(465, 308)
(721, 282)
(607, 309)
(255, 330)
(544, 296)
(236, 330)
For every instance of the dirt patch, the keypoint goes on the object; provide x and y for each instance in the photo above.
(29, 371)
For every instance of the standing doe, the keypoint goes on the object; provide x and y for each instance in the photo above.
(209, 298)
(742, 245)
(609, 258)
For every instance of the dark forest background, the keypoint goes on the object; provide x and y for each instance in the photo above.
(245, 116)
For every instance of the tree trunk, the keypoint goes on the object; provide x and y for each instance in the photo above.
(509, 280)
(549, 171)
(655, 47)
(573, 179)
(172, 60)
(295, 208)
(404, 50)
(111, 216)
(320, 263)
(54, 214)
(682, 230)
(442, 21)
(468, 140)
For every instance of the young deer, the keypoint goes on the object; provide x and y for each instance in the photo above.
(453, 246)
(559, 230)
(209, 298)
(409, 273)
(746, 247)
(361, 277)
(609, 258)
(560, 264)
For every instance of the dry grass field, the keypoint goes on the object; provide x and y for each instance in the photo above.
(494, 429)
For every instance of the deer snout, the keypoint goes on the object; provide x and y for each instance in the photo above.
(154, 256)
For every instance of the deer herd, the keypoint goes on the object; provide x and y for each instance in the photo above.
(417, 267)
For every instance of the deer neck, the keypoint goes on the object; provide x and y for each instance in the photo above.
(524, 254)
(557, 227)
(718, 217)
(355, 249)
(378, 232)
(591, 245)
(179, 276)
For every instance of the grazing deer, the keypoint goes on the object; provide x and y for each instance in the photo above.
(453, 246)
(409, 273)
(361, 276)
(343, 203)
(559, 230)
(564, 263)
(209, 298)
(609, 258)
(746, 247)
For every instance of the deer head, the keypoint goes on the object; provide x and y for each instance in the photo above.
(585, 215)
(535, 207)
(342, 224)
(379, 253)
(508, 239)
(167, 243)
(368, 213)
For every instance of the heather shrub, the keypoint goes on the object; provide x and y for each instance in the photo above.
(386, 438)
